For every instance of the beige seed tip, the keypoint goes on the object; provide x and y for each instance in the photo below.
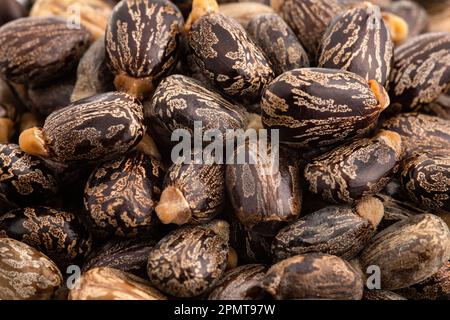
(380, 94)
(232, 260)
(32, 142)
(140, 88)
(398, 27)
(372, 209)
(6, 128)
(200, 8)
(173, 207)
(392, 139)
(148, 146)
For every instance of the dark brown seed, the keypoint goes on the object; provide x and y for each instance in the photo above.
(121, 195)
(111, 284)
(278, 42)
(11, 10)
(359, 41)
(341, 231)
(315, 107)
(24, 180)
(353, 171)
(409, 251)
(142, 39)
(421, 71)
(58, 234)
(227, 56)
(36, 51)
(413, 13)
(190, 260)
(96, 128)
(193, 193)
(426, 178)
(420, 133)
(313, 276)
(241, 283)
(381, 295)
(25, 273)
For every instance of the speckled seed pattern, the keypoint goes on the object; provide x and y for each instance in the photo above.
(353, 171)
(93, 129)
(313, 276)
(142, 38)
(25, 273)
(38, 50)
(334, 230)
(315, 107)
(179, 101)
(261, 196)
(202, 186)
(189, 260)
(111, 284)
(409, 251)
(58, 234)
(24, 179)
(381, 295)
(308, 19)
(413, 13)
(420, 132)
(278, 42)
(240, 283)
(421, 71)
(358, 41)
(426, 179)
(120, 195)
(227, 56)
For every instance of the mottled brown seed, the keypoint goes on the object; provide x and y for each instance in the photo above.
(25, 273)
(174, 266)
(381, 295)
(111, 284)
(439, 108)
(121, 195)
(409, 251)
(315, 107)
(278, 42)
(353, 171)
(313, 276)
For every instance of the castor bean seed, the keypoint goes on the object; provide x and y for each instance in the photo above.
(420, 72)
(381, 295)
(193, 193)
(413, 13)
(24, 179)
(345, 44)
(278, 42)
(58, 234)
(36, 51)
(313, 276)
(409, 251)
(174, 266)
(243, 12)
(240, 283)
(353, 171)
(111, 284)
(142, 39)
(315, 107)
(341, 231)
(92, 129)
(25, 273)
(439, 108)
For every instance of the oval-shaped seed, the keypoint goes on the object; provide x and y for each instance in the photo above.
(278, 42)
(121, 195)
(11, 10)
(243, 12)
(58, 234)
(426, 178)
(313, 276)
(375, 294)
(25, 273)
(240, 283)
(265, 193)
(193, 193)
(129, 255)
(315, 107)
(409, 251)
(359, 41)
(225, 53)
(412, 12)
(353, 171)
(142, 39)
(24, 180)
(179, 101)
(38, 50)
(420, 72)
(341, 231)
(111, 284)
(174, 266)
(308, 19)
(420, 132)
(94, 129)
